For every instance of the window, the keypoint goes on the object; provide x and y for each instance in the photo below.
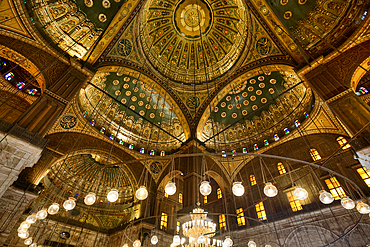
(335, 189)
(165, 194)
(343, 142)
(222, 221)
(205, 199)
(365, 175)
(164, 221)
(281, 168)
(177, 227)
(261, 213)
(253, 179)
(315, 155)
(180, 197)
(295, 204)
(240, 218)
(219, 193)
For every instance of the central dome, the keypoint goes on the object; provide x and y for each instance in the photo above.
(193, 41)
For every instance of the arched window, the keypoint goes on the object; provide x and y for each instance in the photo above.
(164, 221)
(222, 221)
(261, 213)
(219, 193)
(205, 200)
(335, 188)
(281, 168)
(180, 197)
(314, 154)
(252, 179)
(343, 142)
(240, 218)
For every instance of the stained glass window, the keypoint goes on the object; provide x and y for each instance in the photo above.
(245, 150)
(180, 197)
(335, 189)
(33, 91)
(121, 142)
(205, 199)
(297, 123)
(252, 178)
(9, 76)
(281, 168)
(142, 150)
(163, 153)
(20, 85)
(92, 122)
(255, 147)
(219, 193)
(240, 218)
(363, 90)
(223, 154)
(222, 221)
(365, 175)
(152, 152)
(112, 136)
(261, 213)
(276, 137)
(306, 114)
(177, 227)
(266, 142)
(295, 204)
(315, 154)
(343, 142)
(131, 146)
(286, 131)
(102, 130)
(164, 221)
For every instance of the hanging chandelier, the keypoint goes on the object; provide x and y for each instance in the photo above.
(199, 229)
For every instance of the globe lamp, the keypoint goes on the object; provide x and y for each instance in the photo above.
(42, 214)
(347, 203)
(326, 197)
(170, 188)
(228, 242)
(90, 199)
(141, 193)
(362, 207)
(113, 195)
(205, 188)
(69, 204)
(33, 245)
(25, 225)
(270, 190)
(28, 241)
(125, 245)
(154, 240)
(31, 219)
(238, 189)
(136, 243)
(176, 240)
(300, 193)
(251, 243)
(53, 209)
(201, 239)
(23, 235)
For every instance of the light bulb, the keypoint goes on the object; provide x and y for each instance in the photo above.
(42, 214)
(326, 197)
(53, 209)
(176, 240)
(238, 189)
(201, 239)
(300, 193)
(20, 229)
(170, 188)
(31, 219)
(251, 243)
(113, 195)
(141, 193)
(154, 239)
(28, 241)
(125, 245)
(270, 190)
(23, 235)
(90, 199)
(136, 243)
(69, 204)
(228, 242)
(347, 203)
(25, 225)
(362, 207)
(205, 188)
(33, 245)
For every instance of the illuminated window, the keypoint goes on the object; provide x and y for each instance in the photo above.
(164, 221)
(314, 154)
(205, 199)
(222, 221)
(365, 175)
(240, 218)
(261, 213)
(343, 142)
(252, 178)
(281, 168)
(180, 197)
(335, 189)
(165, 194)
(219, 193)
(295, 204)
(177, 227)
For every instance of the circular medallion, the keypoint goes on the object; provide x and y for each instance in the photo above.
(193, 102)
(68, 122)
(264, 46)
(124, 47)
(102, 18)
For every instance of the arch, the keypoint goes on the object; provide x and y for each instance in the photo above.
(219, 180)
(359, 73)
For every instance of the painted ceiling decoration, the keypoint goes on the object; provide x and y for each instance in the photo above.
(193, 41)
(145, 111)
(255, 107)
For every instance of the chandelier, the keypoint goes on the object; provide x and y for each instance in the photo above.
(199, 229)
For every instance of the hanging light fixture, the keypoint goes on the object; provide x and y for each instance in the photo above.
(23, 235)
(33, 245)
(183, 240)
(205, 188)
(170, 188)
(201, 239)
(28, 241)
(125, 245)
(347, 202)
(326, 197)
(136, 243)
(42, 214)
(300, 193)
(113, 195)
(176, 240)
(238, 189)
(251, 243)
(69, 204)
(362, 207)
(31, 219)
(53, 209)
(228, 242)
(154, 239)
(270, 190)
(90, 199)
(25, 225)
(141, 193)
